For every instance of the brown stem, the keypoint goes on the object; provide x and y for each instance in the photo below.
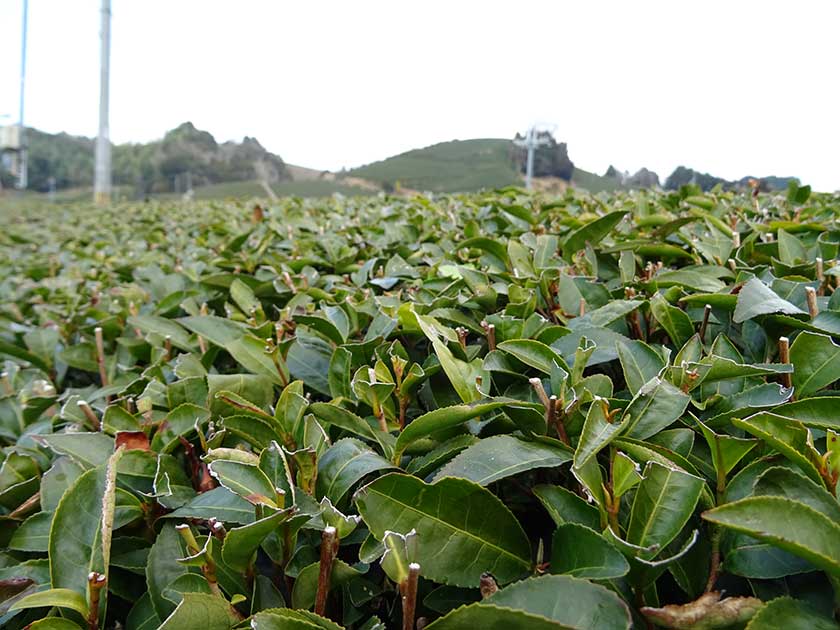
(100, 356)
(536, 383)
(328, 545)
(811, 294)
(167, 344)
(86, 409)
(614, 503)
(287, 279)
(26, 507)
(554, 417)
(714, 564)
(820, 275)
(550, 411)
(202, 344)
(283, 378)
(132, 309)
(209, 571)
(403, 403)
(8, 390)
(408, 590)
(462, 336)
(784, 357)
(383, 423)
(636, 325)
(217, 528)
(720, 493)
(96, 582)
(490, 332)
(582, 307)
(707, 310)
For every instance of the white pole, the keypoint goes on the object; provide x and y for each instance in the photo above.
(23, 171)
(531, 144)
(102, 174)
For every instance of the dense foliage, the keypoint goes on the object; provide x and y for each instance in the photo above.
(496, 410)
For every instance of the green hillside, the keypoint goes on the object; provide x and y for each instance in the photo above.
(459, 165)
(594, 183)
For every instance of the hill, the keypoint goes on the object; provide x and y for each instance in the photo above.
(458, 165)
(461, 165)
(190, 158)
(185, 157)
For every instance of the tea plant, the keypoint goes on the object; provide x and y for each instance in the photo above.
(487, 411)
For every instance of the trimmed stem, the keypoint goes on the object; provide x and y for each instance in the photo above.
(100, 356)
(408, 590)
(8, 390)
(707, 310)
(490, 332)
(784, 357)
(820, 275)
(582, 308)
(328, 545)
(217, 528)
(96, 582)
(540, 390)
(462, 336)
(811, 294)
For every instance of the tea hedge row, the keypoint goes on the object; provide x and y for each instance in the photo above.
(499, 410)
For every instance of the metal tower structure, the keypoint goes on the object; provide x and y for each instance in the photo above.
(102, 170)
(531, 142)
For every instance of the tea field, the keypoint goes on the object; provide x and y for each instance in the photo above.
(497, 410)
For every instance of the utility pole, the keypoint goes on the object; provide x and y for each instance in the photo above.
(531, 142)
(23, 173)
(102, 171)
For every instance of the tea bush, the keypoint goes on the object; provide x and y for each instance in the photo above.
(498, 410)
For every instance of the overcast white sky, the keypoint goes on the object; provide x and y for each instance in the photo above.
(732, 88)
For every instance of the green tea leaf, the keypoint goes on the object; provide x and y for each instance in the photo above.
(462, 529)
(789, 525)
(501, 456)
